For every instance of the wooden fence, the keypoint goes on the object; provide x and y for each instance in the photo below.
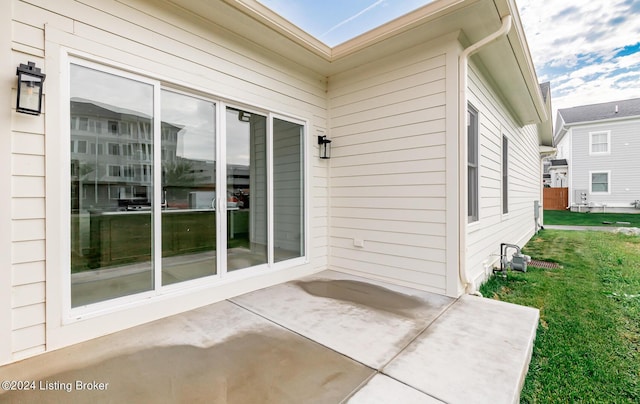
(556, 198)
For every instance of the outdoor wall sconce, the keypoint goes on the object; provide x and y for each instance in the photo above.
(30, 79)
(325, 147)
(244, 116)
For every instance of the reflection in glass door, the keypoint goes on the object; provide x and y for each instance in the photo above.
(111, 186)
(246, 193)
(188, 188)
(288, 190)
(157, 189)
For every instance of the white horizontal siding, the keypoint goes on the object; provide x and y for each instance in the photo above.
(25, 295)
(149, 37)
(388, 186)
(28, 316)
(28, 273)
(29, 338)
(524, 176)
(27, 157)
(6, 111)
(183, 45)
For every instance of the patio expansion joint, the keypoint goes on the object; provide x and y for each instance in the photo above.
(381, 370)
(299, 334)
(376, 370)
(381, 373)
(359, 387)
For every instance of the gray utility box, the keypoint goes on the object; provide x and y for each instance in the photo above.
(519, 262)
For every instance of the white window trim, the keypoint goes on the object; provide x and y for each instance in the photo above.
(474, 218)
(504, 179)
(608, 172)
(600, 132)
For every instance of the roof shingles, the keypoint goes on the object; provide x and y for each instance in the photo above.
(599, 112)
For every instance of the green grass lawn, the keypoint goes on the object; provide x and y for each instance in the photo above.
(564, 217)
(587, 347)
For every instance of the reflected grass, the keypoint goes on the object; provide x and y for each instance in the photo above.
(122, 239)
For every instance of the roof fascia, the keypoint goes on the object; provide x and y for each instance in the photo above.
(397, 26)
(518, 41)
(606, 120)
(271, 19)
(276, 22)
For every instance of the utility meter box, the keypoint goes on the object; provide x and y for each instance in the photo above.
(519, 262)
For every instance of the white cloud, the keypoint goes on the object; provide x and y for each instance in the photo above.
(574, 45)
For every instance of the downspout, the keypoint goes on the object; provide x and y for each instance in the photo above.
(463, 61)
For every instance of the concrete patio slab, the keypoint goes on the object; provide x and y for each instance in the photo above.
(478, 351)
(365, 320)
(217, 354)
(318, 339)
(384, 390)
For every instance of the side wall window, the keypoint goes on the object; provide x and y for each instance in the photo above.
(505, 174)
(472, 163)
(600, 142)
(600, 182)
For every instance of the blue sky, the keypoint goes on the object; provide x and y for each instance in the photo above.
(589, 50)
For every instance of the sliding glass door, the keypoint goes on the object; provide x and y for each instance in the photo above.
(111, 186)
(188, 142)
(288, 190)
(246, 189)
(162, 181)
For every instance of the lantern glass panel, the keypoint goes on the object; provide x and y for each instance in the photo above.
(30, 91)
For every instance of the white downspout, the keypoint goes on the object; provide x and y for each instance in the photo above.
(463, 61)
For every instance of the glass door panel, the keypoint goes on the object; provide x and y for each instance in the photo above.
(188, 188)
(288, 190)
(111, 127)
(246, 193)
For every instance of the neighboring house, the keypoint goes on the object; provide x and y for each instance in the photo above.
(558, 173)
(601, 145)
(177, 164)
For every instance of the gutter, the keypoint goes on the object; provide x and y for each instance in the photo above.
(463, 67)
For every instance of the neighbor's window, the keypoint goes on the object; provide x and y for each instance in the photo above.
(600, 142)
(600, 182)
(505, 174)
(472, 163)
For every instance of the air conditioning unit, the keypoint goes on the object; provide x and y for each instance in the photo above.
(581, 197)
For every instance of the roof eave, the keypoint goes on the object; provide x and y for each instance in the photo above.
(428, 22)
(276, 22)
(520, 50)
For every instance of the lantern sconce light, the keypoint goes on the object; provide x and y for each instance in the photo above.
(30, 79)
(325, 147)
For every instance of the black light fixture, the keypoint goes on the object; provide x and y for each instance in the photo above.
(30, 79)
(244, 116)
(325, 147)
